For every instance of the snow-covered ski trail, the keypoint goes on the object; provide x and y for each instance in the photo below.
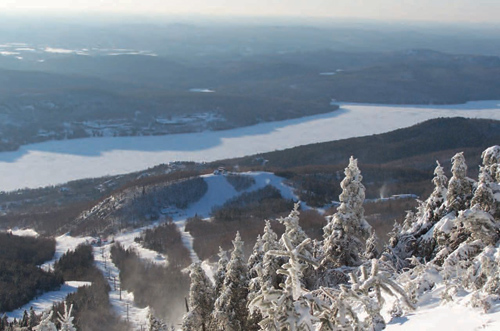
(121, 300)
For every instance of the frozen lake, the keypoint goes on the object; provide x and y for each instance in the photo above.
(57, 162)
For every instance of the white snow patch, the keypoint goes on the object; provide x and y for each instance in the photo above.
(201, 90)
(25, 49)
(59, 50)
(431, 315)
(209, 269)
(46, 300)
(24, 232)
(65, 243)
(446, 223)
(126, 239)
(7, 53)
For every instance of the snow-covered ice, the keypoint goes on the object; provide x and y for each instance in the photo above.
(57, 162)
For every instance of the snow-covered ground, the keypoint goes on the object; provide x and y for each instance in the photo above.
(65, 243)
(126, 239)
(432, 315)
(122, 301)
(24, 232)
(45, 301)
(57, 162)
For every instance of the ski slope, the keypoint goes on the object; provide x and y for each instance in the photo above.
(220, 191)
(122, 301)
(44, 302)
(57, 162)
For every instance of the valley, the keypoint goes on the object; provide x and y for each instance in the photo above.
(203, 173)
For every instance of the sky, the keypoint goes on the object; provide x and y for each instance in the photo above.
(420, 10)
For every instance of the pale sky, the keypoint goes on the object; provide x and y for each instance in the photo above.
(429, 10)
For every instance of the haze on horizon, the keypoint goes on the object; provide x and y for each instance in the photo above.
(480, 11)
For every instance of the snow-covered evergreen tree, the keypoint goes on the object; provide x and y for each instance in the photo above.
(24, 320)
(65, 319)
(270, 264)
(201, 300)
(347, 229)
(289, 307)
(410, 220)
(263, 269)
(256, 259)
(483, 196)
(371, 249)
(359, 306)
(230, 311)
(491, 161)
(46, 324)
(294, 231)
(460, 186)
(220, 273)
(33, 318)
(155, 324)
(434, 204)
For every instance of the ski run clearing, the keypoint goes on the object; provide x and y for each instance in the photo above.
(44, 302)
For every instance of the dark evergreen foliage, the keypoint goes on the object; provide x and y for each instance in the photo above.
(21, 279)
(167, 239)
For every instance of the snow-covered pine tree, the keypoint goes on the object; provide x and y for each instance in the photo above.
(270, 264)
(156, 324)
(230, 311)
(435, 203)
(410, 219)
(289, 307)
(24, 320)
(483, 196)
(488, 191)
(347, 230)
(262, 269)
(359, 306)
(33, 319)
(66, 320)
(255, 269)
(201, 300)
(410, 239)
(255, 259)
(46, 324)
(296, 235)
(371, 249)
(491, 161)
(294, 231)
(220, 273)
(460, 186)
